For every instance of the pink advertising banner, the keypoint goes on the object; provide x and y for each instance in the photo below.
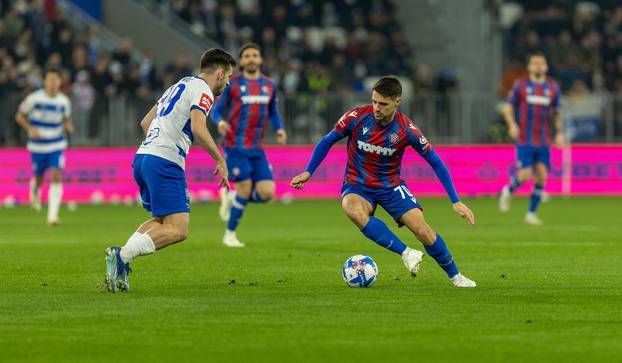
(105, 174)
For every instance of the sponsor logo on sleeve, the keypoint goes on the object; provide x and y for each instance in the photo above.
(206, 101)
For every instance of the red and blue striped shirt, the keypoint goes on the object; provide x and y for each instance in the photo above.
(250, 102)
(533, 105)
(374, 151)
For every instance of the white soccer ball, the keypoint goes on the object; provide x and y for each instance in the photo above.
(360, 271)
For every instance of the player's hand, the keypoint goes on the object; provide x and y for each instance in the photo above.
(559, 139)
(68, 128)
(223, 127)
(513, 132)
(33, 134)
(299, 180)
(281, 136)
(464, 212)
(222, 171)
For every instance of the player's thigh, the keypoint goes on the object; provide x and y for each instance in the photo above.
(397, 201)
(244, 188)
(145, 195)
(525, 157)
(56, 164)
(261, 170)
(415, 222)
(358, 208)
(541, 172)
(166, 182)
(524, 174)
(39, 163)
(238, 164)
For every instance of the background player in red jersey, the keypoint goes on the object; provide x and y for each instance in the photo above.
(377, 137)
(531, 105)
(250, 99)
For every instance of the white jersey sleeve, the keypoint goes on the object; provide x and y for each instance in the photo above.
(27, 105)
(170, 133)
(201, 98)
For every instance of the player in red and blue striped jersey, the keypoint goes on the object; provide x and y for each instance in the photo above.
(251, 101)
(377, 136)
(532, 104)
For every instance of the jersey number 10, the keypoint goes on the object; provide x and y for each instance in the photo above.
(168, 100)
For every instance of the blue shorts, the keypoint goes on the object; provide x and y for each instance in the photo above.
(395, 200)
(248, 164)
(162, 184)
(43, 161)
(527, 155)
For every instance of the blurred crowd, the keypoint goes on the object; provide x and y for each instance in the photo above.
(309, 46)
(582, 39)
(35, 35)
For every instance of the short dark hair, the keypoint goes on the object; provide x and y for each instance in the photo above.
(388, 86)
(52, 70)
(536, 53)
(216, 57)
(249, 45)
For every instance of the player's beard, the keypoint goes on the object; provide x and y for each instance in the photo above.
(251, 68)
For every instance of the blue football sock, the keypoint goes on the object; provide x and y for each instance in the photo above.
(377, 231)
(536, 196)
(439, 252)
(256, 197)
(237, 209)
(514, 183)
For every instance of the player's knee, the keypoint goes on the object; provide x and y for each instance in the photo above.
(182, 233)
(424, 233)
(356, 214)
(55, 177)
(266, 195)
(243, 189)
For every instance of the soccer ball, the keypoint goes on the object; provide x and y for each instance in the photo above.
(360, 271)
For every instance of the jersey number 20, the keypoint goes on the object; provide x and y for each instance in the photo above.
(168, 100)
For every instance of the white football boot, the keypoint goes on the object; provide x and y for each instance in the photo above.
(226, 200)
(231, 240)
(504, 199)
(532, 218)
(412, 260)
(462, 281)
(35, 196)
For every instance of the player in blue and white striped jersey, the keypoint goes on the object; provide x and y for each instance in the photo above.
(46, 115)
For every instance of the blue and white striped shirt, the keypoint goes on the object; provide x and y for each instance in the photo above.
(46, 114)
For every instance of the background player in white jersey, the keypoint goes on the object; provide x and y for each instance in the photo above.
(46, 116)
(170, 127)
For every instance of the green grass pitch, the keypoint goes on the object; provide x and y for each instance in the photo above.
(548, 294)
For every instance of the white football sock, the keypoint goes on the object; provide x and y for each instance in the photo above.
(139, 244)
(55, 196)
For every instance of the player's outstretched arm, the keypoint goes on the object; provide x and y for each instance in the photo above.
(199, 130)
(275, 119)
(319, 153)
(445, 178)
(146, 121)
